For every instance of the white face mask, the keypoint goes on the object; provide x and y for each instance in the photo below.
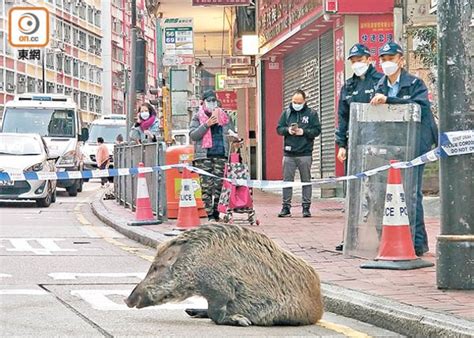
(360, 68)
(297, 106)
(144, 115)
(211, 105)
(389, 67)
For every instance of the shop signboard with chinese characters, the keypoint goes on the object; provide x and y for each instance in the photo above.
(230, 61)
(374, 32)
(221, 2)
(178, 41)
(240, 82)
(228, 99)
(276, 17)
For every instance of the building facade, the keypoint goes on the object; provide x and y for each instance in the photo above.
(304, 45)
(116, 53)
(73, 61)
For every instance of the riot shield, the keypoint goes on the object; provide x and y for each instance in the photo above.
(377, 134)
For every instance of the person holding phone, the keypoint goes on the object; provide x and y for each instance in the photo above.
(209, 129)
(299, 125)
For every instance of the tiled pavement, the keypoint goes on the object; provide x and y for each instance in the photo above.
(314, 240)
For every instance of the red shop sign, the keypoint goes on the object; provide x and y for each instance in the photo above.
(228, 99)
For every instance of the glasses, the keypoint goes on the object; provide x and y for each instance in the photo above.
(211, 100)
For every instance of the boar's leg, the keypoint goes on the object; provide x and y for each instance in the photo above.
(197, 313)
(218, 313)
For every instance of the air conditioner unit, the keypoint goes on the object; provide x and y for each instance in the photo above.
(10, 87)
(21, 80)
(51, 85)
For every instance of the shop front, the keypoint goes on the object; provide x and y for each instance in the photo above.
(307, 50)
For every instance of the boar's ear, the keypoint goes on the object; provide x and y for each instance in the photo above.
(171, 255)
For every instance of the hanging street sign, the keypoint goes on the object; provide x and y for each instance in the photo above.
(178, 41)
(243, 82)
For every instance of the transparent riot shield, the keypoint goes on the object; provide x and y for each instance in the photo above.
(377, 134)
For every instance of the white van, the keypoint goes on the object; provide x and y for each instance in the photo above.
(107, 127)
(56, 118)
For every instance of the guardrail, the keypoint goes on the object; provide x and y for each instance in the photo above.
(125, 187)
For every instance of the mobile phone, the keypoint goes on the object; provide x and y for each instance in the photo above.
(294, 125)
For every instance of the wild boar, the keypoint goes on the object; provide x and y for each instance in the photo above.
(245, 277)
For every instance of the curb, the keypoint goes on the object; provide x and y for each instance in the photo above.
(376, 310)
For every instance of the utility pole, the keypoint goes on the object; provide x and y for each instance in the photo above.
(455, 244)
(43, 71)
(132, 90)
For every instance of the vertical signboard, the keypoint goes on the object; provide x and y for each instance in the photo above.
(374, 32)
(178, 41)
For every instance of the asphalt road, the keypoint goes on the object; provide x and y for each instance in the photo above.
(63, 273)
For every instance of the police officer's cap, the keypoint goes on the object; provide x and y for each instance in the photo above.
(391, 48)
(358, 50)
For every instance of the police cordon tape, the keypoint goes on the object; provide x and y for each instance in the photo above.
(451, 144)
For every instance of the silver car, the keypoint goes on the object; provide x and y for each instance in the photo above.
(24, 153)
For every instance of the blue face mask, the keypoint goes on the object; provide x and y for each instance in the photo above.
(297, 106)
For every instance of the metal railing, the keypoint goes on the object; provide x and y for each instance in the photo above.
(129, 156)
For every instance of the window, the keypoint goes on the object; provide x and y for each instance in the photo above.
(59, 89)
(75, 96)
(117, 53)
(59, 30)
(91, 74)
(75, 68)
(50, 60)
(82, 11)
(91, 43)
(67, 33)
(2, 42)
(83, 103)
(59, 62)
(91, 103)
(21, 83)
(98, 46)
(67, 65)
(117, 26)
(82, 70)
(98, 104)
(59, 3)
(40, 86)
(97, 18)
(2, 79)
(67, 5)
(75, 37)
(31, 85)
(90, 14)
(75, 8)
(50, 87)
(99, 76)
(82, 40)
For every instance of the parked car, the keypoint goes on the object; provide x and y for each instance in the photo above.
(23, 153)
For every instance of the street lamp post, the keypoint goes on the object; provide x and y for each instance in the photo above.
(43, 71)
(455, 244)
(132, 90)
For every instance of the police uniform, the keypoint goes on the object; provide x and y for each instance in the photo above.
(356, 89)
(413, 90)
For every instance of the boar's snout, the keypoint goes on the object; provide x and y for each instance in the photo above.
(138, 299)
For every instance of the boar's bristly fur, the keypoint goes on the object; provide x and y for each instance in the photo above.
(245, 277)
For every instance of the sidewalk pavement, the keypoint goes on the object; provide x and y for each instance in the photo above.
(407, 302)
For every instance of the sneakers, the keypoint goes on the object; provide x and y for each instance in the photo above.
(306, 212)
(214, 217)
(340, 247)
(285, 212)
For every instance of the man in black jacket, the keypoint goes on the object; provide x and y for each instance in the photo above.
(360, 88)
(299, 125)
(400, 87)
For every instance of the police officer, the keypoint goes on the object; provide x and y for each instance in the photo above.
(400, 87)
(358, 88)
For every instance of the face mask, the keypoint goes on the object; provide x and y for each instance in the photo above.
(389, 67)
(211, 105)
(144, 115)
(360, 68)
(297, 107)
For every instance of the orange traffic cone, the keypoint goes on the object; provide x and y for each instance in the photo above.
(144, 212)
(396, 250)
(188, 214)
